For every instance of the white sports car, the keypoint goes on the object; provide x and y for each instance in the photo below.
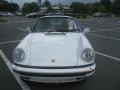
(56, 51)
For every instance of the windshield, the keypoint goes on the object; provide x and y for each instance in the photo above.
(56, 24)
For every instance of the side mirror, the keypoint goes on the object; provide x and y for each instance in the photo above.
(28, 29)
(86, 30)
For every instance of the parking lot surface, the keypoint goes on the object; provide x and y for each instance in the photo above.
(104, 37)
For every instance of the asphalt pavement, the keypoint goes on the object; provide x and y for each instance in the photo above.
(104, 37)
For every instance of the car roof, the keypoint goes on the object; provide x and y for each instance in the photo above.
(58, 16)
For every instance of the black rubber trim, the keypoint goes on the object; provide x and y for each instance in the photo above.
(65, 67)
(52, 75)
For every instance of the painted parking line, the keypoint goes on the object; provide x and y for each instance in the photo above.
(9, 42)
(20, 21)
(98, 31)
(101, 25)
(22, 29)
(9, 22)
(101, 21)
(108, 56)
(106, 29)
(22, 84)
(104, 22)
(4, 23)
(103, 36)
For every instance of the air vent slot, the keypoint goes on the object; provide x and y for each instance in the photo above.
(55, 33)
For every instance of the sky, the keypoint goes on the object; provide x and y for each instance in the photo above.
(66, 2)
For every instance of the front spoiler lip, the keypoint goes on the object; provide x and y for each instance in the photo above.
(53, 75)
(65, 67)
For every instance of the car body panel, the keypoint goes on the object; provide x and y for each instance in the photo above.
(42, 50)
(54, 50)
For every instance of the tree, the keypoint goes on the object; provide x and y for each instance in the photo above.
(106, 4)
(61, 7)
(47, 4)
(8, 7)
(30, 7)
(93, 8)
(3, 1)
(78, 7)
(116, 7)
(96, 7)
(26, 8)
(34, 7)
(13, 7)
(3, 5)
(102, 9)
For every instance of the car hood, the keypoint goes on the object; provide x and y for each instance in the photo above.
(53, 50)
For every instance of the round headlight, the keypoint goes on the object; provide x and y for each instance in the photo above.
(88, 55)
(18, 55)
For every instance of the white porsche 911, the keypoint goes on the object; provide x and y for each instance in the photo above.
(56, 51)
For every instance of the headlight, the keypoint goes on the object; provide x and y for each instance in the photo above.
(88, 55)
(18, 55)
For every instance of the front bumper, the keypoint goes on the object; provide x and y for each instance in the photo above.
(54, 75)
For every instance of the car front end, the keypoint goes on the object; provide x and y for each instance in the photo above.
(54, 74)
(54, 56)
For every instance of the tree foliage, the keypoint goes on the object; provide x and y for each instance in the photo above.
(61, 7)
(13, 7)
(102, 6)
(102, 9)
(30, 7)
(116, 7)
(8, 7)
(78, 7)
(92, 8)
(47, 4)
(106, 4)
